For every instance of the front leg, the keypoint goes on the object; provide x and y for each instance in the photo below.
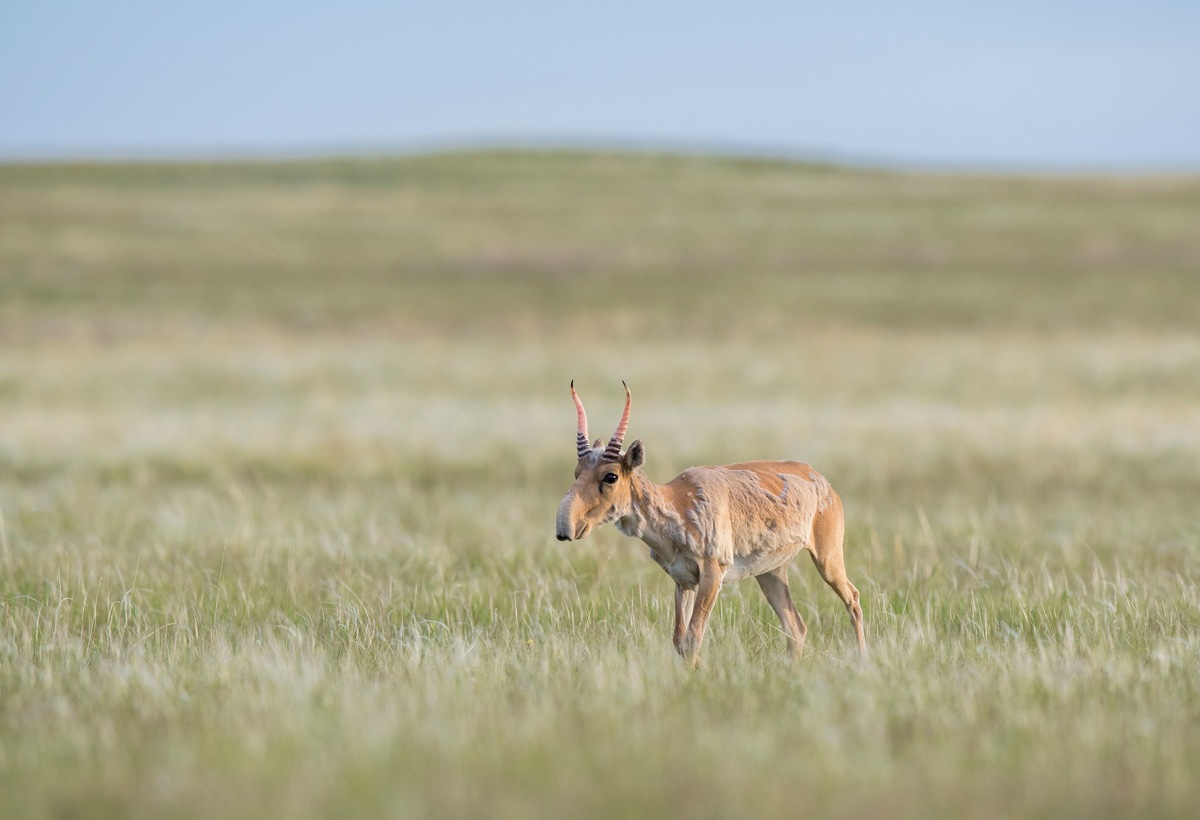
(711, 575)
(684, 599)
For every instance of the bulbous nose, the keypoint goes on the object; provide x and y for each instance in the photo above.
(564, 526)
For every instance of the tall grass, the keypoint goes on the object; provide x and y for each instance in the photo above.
(282, 445)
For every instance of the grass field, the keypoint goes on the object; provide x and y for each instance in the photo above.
(281, 447)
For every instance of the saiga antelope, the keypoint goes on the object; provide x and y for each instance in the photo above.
(711, 525)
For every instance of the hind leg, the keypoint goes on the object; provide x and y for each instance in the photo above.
(827, 554)
(775, 586)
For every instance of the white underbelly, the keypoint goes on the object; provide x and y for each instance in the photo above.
(686, 572)
(746, 566)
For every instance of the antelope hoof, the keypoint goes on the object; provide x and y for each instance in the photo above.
(689, 651)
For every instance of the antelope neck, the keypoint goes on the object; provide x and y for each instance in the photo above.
(651, 516)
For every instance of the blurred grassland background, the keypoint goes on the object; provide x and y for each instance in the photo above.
(282, 444)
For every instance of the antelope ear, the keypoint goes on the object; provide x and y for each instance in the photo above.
(597, 444)
(635, 456)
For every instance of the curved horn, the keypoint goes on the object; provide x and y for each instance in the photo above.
(613, 451)
(581, 434)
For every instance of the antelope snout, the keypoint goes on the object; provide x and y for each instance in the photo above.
(564, 525)
(563, 531)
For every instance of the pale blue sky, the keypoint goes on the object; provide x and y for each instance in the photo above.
(1034, 84)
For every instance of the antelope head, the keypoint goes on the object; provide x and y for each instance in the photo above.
(603, 478)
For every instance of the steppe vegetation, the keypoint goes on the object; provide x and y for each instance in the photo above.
(281, 445)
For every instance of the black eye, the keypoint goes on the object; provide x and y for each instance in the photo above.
(610, 478)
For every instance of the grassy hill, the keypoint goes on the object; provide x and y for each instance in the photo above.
(547, 238)
(282, 444)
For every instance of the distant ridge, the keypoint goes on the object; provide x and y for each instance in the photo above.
(814, 156)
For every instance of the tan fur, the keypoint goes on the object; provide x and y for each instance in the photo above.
(715, 524)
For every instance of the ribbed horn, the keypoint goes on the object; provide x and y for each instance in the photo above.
(581, 434)
(613, 451)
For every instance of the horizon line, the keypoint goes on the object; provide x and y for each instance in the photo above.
(317, 151)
